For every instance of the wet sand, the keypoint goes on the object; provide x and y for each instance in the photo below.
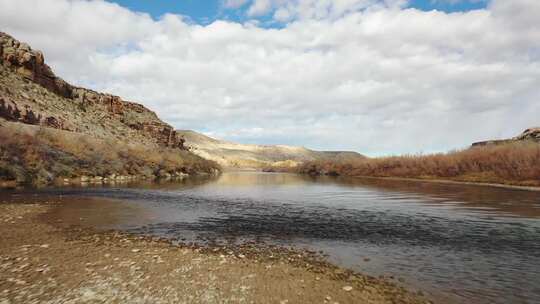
(43, 260)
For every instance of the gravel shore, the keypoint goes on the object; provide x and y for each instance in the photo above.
(45, 261)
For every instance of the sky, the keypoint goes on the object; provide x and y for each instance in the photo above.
(381, 77)
(205, 12)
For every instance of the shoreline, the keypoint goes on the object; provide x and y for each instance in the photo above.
(451, 182)
(137, 179)
(46, 261)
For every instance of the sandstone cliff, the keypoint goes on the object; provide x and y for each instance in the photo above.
(51, 129)
(246, 156)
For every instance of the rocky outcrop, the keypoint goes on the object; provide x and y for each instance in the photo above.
(31, 64)
(10, 111)
(20, 58)
(532, 135)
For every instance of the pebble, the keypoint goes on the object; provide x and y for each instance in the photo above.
(44, 246)
(24, 266)
(135, 250)
(347, 288)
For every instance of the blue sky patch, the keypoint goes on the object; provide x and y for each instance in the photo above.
(448, 5)
(205, 12)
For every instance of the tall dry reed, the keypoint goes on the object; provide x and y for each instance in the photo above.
(517, 163)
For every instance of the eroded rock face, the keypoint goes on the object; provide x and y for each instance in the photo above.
(10, 111)
(532, 134)
(22, 59)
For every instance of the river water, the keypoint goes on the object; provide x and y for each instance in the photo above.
(457, 243)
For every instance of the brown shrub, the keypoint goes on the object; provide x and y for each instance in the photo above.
(40, 155)
(516, 163)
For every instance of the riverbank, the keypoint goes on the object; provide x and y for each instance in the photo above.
(453, 182)
(513, 164)
(46, 261)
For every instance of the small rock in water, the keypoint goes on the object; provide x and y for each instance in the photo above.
(347, 288)
(44, 246)
(135, 250)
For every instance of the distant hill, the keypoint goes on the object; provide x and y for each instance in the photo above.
(249, 156)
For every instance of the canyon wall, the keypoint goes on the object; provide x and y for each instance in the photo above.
(30, 64)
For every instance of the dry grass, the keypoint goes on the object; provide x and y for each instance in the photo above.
(517, 164)
(30, 154)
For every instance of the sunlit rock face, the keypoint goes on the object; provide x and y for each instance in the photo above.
(68, 107)
(251, 156)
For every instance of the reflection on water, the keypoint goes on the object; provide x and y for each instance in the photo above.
(463, 244)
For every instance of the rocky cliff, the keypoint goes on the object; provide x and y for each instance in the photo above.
(50, 129)
(247, 156)
(59, 102)
(529, 135)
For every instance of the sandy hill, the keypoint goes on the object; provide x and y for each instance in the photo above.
(249, 156)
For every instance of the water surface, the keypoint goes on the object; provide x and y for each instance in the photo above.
(459, 243)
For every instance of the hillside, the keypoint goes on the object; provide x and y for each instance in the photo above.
(249, 156)
(104, 137)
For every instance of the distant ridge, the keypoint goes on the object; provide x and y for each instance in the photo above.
(250, 156)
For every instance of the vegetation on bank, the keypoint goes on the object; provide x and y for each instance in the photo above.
(38, 155)
(514, 164)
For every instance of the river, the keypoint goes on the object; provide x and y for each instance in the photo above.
(457, 243)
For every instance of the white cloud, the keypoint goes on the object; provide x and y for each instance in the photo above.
(234, 3)
(288, 10)
(353, 74)
(260, 7)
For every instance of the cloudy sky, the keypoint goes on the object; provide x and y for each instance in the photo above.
(377, 76)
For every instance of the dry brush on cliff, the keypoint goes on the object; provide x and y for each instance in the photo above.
(515, 163)
(40, 155)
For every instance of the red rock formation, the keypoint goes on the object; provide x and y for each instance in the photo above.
(29, 63)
